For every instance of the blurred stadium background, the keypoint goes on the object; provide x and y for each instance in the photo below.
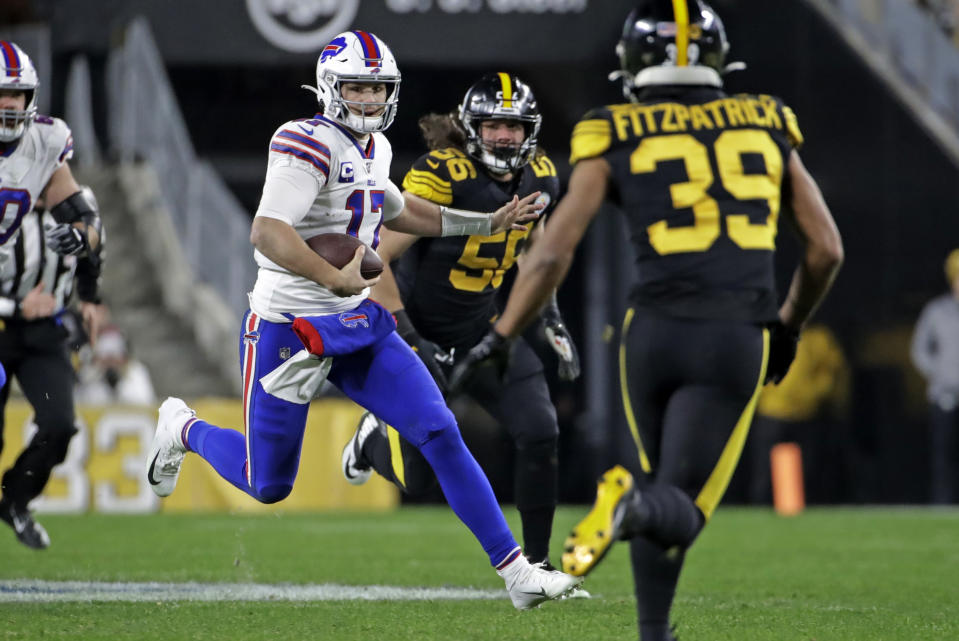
(172, 104)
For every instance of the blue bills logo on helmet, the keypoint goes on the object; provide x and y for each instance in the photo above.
(335, 47)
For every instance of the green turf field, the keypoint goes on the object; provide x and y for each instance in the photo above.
(842, 574)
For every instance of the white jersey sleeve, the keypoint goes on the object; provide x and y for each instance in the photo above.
(288, 193)
(295, 144)
(393, 202)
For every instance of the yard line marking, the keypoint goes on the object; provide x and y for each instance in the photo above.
(30, 590)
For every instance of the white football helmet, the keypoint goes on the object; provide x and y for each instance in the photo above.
(356, 56)
(17, 73)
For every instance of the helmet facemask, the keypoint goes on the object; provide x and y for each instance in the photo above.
(357, 57)
(504, 98)
(17, 74)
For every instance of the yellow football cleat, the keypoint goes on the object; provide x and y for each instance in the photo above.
(591, 539)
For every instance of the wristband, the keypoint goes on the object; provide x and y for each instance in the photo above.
(459, 222)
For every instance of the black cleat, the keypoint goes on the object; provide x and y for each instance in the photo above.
(28, 531)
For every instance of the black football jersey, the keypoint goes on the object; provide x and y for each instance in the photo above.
(699, 175)
(449, 284)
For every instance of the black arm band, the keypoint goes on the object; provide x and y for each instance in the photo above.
(88, 279)
(76, 208)
(550, 313)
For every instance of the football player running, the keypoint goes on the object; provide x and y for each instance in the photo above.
(36, 277)
(309, 321)
(701, 177)
(444, 296)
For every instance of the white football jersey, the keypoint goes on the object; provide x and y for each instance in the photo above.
(24, 173)
(353, 181)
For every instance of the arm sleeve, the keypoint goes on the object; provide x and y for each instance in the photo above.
(394, 202)
(288, 194)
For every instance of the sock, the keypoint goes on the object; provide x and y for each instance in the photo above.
(655, 575)
(537, 526)
(224, 449)
(535, 487)
(468, 493)
(665, 514)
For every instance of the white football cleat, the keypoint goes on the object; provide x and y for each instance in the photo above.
(578, 593)
(530, 584)
(166, 455)
(356, 471)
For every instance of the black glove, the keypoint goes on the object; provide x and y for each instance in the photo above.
(782, 350)
(432, 355)
(66, 240)
(492, 351)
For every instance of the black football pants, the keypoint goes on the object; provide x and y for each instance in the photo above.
(35, 352)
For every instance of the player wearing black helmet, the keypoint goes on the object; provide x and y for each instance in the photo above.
(443, 293)
(702, 178)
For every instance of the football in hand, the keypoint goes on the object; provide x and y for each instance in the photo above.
(338, 250)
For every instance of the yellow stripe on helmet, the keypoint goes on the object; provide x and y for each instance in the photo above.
(681, 12)
(507, 85)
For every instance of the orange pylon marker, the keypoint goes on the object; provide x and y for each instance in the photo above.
(789, 497)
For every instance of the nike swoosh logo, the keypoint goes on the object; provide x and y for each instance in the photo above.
(542, 592)
(19, 525)
(434, 165)
(308, 132)
(150, 471)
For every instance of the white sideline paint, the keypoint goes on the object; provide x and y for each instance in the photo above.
(33, 591)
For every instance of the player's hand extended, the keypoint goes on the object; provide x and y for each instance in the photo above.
(562, 343)
(517, 211)
(433, 356)
(492, 351)
(349, 281)
(782, 350)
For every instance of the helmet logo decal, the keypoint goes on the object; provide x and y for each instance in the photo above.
(10, 59)
(331, 50)
(301, 27)
(506, 95)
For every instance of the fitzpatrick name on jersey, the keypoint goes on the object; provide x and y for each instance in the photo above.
(449, 284)
(353, 181)
(699, 178)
